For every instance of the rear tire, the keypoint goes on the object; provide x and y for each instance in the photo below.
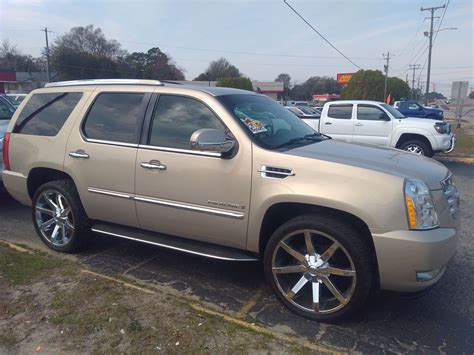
(418, 147)
(326, 279)
(59, 217)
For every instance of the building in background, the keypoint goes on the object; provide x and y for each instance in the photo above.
(13, 82)
(325, 97)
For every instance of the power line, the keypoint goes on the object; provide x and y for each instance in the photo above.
(320, 35)
(413, 67)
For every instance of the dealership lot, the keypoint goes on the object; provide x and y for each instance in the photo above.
(441, 321)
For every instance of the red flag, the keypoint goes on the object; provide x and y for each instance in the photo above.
(389, 98)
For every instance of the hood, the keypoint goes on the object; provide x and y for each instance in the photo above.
(383, 159)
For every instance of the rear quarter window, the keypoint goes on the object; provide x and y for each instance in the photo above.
(340, 111)
(44, 114)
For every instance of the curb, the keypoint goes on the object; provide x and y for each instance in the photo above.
(465, 160)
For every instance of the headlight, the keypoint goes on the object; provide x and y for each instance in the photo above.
(441, 127)
(419, 203)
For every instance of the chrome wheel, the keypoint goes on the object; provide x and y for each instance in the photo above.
(313, 271)
(414, 148)
(54, 218)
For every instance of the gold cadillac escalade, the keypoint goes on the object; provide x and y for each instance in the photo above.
(231, 175)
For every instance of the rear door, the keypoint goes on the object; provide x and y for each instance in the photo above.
(372, 125)
(101, 153)
(338, 122)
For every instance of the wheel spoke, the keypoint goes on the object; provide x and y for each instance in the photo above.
(63, 234)
(299, 285)
(45, 211)
(289, 269)
(45, 225)
(55, 232)
(50, 201)
(69, 225)
(309, 243)
(334, 291)
(316, 296)
(298, 256)
(59, 202)
(341, 272)
(329, 251)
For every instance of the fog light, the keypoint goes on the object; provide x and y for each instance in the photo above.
(428, 275)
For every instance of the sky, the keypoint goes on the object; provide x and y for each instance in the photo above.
(264, 38)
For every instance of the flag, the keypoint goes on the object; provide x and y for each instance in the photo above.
(389, 98)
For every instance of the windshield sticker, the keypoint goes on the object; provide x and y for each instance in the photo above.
(254, 125)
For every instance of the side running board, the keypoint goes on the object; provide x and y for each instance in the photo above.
(176, 243)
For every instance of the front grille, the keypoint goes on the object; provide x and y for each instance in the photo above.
(451, 194)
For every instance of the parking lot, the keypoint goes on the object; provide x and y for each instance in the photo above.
(441, 321)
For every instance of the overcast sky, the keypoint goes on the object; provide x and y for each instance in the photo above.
(263, 38)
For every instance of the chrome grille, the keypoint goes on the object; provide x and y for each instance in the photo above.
(451, 194)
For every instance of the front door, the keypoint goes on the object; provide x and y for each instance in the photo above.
(192, 194)
(372, 125)
(338, 122)
(101, 154)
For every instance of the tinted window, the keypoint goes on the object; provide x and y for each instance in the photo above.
(414, 106)
(45, 114)
(115, 117)
(371, 113)
(177, 118)
(340, 111)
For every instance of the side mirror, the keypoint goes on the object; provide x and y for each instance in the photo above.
(211, 140)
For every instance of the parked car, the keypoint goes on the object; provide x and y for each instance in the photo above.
(16, 99)
(6, 113)
(231, 175)
(414, 109)
(297, 103)
(303, 112)
(378, 123)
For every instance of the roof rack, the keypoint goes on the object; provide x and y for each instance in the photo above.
(105, 82)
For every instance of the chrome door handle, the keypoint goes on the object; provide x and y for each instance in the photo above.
(79, 154)
(358, 124)
(328, 123)
(154, 164)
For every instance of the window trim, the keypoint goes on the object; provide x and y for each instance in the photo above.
(371, 105)
(143, 110)
(342, 105)
(147, 125)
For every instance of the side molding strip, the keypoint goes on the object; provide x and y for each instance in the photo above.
(168, 203)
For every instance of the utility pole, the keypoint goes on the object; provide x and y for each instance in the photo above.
(48, 75)
(413, 67)
(430, 36)
(387, 57)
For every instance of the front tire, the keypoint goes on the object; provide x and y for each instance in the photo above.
(417, 147)
(59, 217)
(319, 267)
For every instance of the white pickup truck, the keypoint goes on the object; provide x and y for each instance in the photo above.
(378, 123)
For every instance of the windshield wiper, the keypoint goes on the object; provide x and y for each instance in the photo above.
(316, 137)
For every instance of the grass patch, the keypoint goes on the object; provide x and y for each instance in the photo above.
(20, 268)
(70, 311)
(465, 143)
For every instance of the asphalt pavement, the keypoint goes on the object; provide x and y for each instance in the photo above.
(440, 321)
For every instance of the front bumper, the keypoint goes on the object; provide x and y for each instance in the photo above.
(452, 145)
(411, 261)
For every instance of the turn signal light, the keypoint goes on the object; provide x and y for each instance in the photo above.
(410, 211)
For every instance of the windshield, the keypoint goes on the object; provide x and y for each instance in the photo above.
(269, 124)
(395, 113)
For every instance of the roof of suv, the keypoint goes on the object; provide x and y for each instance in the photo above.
(214, 91)
(354, 102)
